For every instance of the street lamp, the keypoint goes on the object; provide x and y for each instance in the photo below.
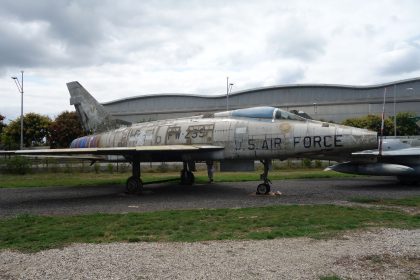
(20, 88)
(228, 91)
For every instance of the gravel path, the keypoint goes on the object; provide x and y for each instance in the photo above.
(377, 254)
(112, 199)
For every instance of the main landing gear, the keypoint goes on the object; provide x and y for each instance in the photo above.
(264, 188)
(134, 184)
(187, 177)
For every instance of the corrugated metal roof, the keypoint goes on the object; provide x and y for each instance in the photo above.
(291, 86)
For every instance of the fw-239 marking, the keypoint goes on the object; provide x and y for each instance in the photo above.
(258, 133)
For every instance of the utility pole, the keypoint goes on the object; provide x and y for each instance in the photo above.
(20, 88)
(228, 91)
(395, 112)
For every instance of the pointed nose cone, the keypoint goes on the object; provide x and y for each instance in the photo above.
(358, 139)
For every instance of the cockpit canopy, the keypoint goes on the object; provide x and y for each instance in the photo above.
(269, 113)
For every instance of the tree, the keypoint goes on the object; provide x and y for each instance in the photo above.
(35, 131)
(2, 126)
(64, 129)
(371, 122)
(406, 124)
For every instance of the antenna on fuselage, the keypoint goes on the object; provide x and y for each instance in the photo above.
(382, 125)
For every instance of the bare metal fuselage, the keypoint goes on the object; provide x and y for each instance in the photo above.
(241, 138)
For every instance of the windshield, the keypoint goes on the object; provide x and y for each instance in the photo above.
(268, 113)
(284, 115)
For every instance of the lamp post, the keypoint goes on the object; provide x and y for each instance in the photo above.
(20, 88)
(228, 91)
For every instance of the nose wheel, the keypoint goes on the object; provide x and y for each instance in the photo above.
(265, 187)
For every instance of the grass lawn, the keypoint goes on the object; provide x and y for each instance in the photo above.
(82, 179)
(413, 201)
(34, 233)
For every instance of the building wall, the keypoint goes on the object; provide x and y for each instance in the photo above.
(326, 102)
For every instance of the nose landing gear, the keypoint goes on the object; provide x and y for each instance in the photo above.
(265, 187)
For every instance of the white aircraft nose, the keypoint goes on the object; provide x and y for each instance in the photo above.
(358, 138)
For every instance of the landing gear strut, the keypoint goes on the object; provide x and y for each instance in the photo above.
(264, 188)
(187, 177)
(210, 170)
(134, 184)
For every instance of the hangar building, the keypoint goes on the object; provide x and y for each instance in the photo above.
(321, 101)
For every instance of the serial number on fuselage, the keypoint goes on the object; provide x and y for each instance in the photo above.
(307, 142)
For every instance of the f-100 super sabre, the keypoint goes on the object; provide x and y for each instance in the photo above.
(257, 133)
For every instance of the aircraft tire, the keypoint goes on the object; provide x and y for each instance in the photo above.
(263, 188)
(187, 178)
(134, 185)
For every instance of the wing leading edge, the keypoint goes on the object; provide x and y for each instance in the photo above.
(149, 153)
(392, 153)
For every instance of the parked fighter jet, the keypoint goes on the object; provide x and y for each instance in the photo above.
(399, 157)
(259, 133)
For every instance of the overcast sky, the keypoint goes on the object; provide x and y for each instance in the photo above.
(118, 49)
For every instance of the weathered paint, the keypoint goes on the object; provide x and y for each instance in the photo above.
(243, 138)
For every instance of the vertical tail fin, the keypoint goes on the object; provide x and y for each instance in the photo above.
(93, 115)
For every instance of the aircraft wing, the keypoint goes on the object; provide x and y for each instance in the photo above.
(398, 162)
(147, 153)
(392, 153)
(373, 155)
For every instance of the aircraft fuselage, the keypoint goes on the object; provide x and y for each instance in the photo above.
(242, 138)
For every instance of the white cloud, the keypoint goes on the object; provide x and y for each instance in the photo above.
(129, 48)
(404, 58)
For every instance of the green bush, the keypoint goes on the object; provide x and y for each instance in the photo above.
(68, 168)
(123, 167)
(110, 168)
(307, 163)
(17, 165)
(163, 167)
(97, 167)
(277, 165)
(53, 165)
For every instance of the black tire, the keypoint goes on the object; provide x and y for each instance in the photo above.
(263, 188)
(134, 185)
(187, 178)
